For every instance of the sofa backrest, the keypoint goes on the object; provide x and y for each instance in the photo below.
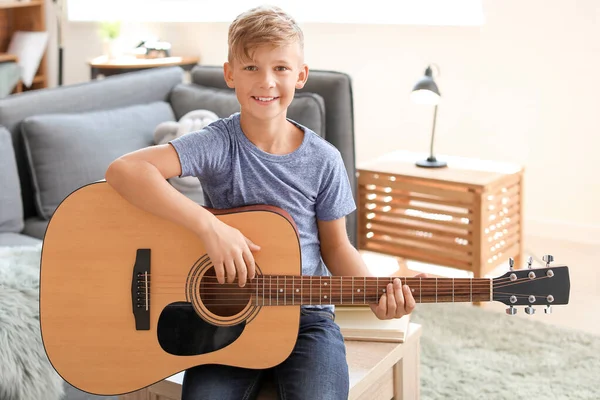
(113, 92)
(336, 90)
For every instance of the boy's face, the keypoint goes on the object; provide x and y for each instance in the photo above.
(265, 85)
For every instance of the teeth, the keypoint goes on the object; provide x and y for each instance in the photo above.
(265, 98)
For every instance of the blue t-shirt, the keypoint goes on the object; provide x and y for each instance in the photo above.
(309, 183)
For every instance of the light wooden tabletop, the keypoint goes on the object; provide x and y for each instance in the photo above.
(374, 358)
(133, 62)
(469, 171)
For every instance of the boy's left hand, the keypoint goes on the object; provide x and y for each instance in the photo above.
(396, 302)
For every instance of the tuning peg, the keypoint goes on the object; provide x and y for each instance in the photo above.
(548, 258)
(511, 310)
(511, 263)
(529, 262)
(548, 309)
(530, 310)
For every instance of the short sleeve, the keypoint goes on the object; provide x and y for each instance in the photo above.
(205, 152)
(335, 199)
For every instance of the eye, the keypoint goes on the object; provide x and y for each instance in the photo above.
(250, 68)
(281, 68)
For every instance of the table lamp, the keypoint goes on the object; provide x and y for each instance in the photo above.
(426, 92)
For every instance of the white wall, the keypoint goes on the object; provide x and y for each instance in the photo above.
(523, 88)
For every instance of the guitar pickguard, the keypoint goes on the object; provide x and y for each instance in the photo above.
(182, 332)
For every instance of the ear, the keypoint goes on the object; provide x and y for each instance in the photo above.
(302, 76)
(228, 75)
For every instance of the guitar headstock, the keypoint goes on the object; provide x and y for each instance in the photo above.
(533, 286)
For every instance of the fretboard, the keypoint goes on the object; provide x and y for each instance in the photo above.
(281, 290)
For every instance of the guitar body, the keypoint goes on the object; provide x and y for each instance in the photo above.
(88, 294)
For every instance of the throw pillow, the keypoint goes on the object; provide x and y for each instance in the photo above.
(68, 151)
(307, 109)
(11, 206)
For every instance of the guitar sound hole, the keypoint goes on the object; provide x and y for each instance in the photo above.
(226, 299)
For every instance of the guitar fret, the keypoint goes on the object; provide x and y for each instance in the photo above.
(270, 290)
(352, 290)
(471, 290)
(453, 290)
(420, 290)
(341, 291)
(436, 281)
(365, 290)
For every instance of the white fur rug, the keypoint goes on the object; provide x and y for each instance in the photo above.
(25, 371)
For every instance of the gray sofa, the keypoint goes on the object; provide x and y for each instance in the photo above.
(62, 138)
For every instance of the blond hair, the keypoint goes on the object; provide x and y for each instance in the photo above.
(259, 26)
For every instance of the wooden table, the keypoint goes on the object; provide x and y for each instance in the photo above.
(104, 66)
(378, 371)
(465, 216)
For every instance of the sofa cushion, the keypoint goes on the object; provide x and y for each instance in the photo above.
(11, 206)
(68, 151)
(16, 239)
(35, 227)
(123, 90)
(307, 109)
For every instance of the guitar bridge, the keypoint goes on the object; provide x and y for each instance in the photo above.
(140, 290)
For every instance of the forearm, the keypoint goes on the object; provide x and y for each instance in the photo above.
(345, 260)
(141, 184)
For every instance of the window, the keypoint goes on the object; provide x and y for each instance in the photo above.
(397, 12)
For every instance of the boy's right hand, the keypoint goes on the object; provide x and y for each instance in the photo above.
(230, 252)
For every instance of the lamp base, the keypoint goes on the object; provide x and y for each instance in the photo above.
(431, 162)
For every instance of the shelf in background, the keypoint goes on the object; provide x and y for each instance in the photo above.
(17, 4)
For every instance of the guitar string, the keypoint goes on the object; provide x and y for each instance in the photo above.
(456, 284)
(335, 280)
(312, 301)
(252, 283)
(346, 276)
(441, 287)
(286, 294)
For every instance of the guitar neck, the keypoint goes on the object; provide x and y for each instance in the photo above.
(280, 290)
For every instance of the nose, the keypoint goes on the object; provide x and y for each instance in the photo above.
(267, 79)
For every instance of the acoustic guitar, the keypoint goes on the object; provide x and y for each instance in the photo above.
(128, 298)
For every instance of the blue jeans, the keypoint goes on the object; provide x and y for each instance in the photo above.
(315, 370)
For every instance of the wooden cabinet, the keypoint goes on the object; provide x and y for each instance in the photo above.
(24, 16)
(466, 216)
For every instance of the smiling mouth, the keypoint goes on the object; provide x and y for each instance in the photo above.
(265, 99)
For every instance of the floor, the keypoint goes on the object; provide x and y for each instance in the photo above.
(583, 273)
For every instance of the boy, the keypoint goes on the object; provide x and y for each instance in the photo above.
(258, 156)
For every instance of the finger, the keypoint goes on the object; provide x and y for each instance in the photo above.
(391, 301)
(219, 272)
(251, 245)
(381, 307)
(409, 300)
(250, 266)
(242, 272)
(230, 269)
(400, 299)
